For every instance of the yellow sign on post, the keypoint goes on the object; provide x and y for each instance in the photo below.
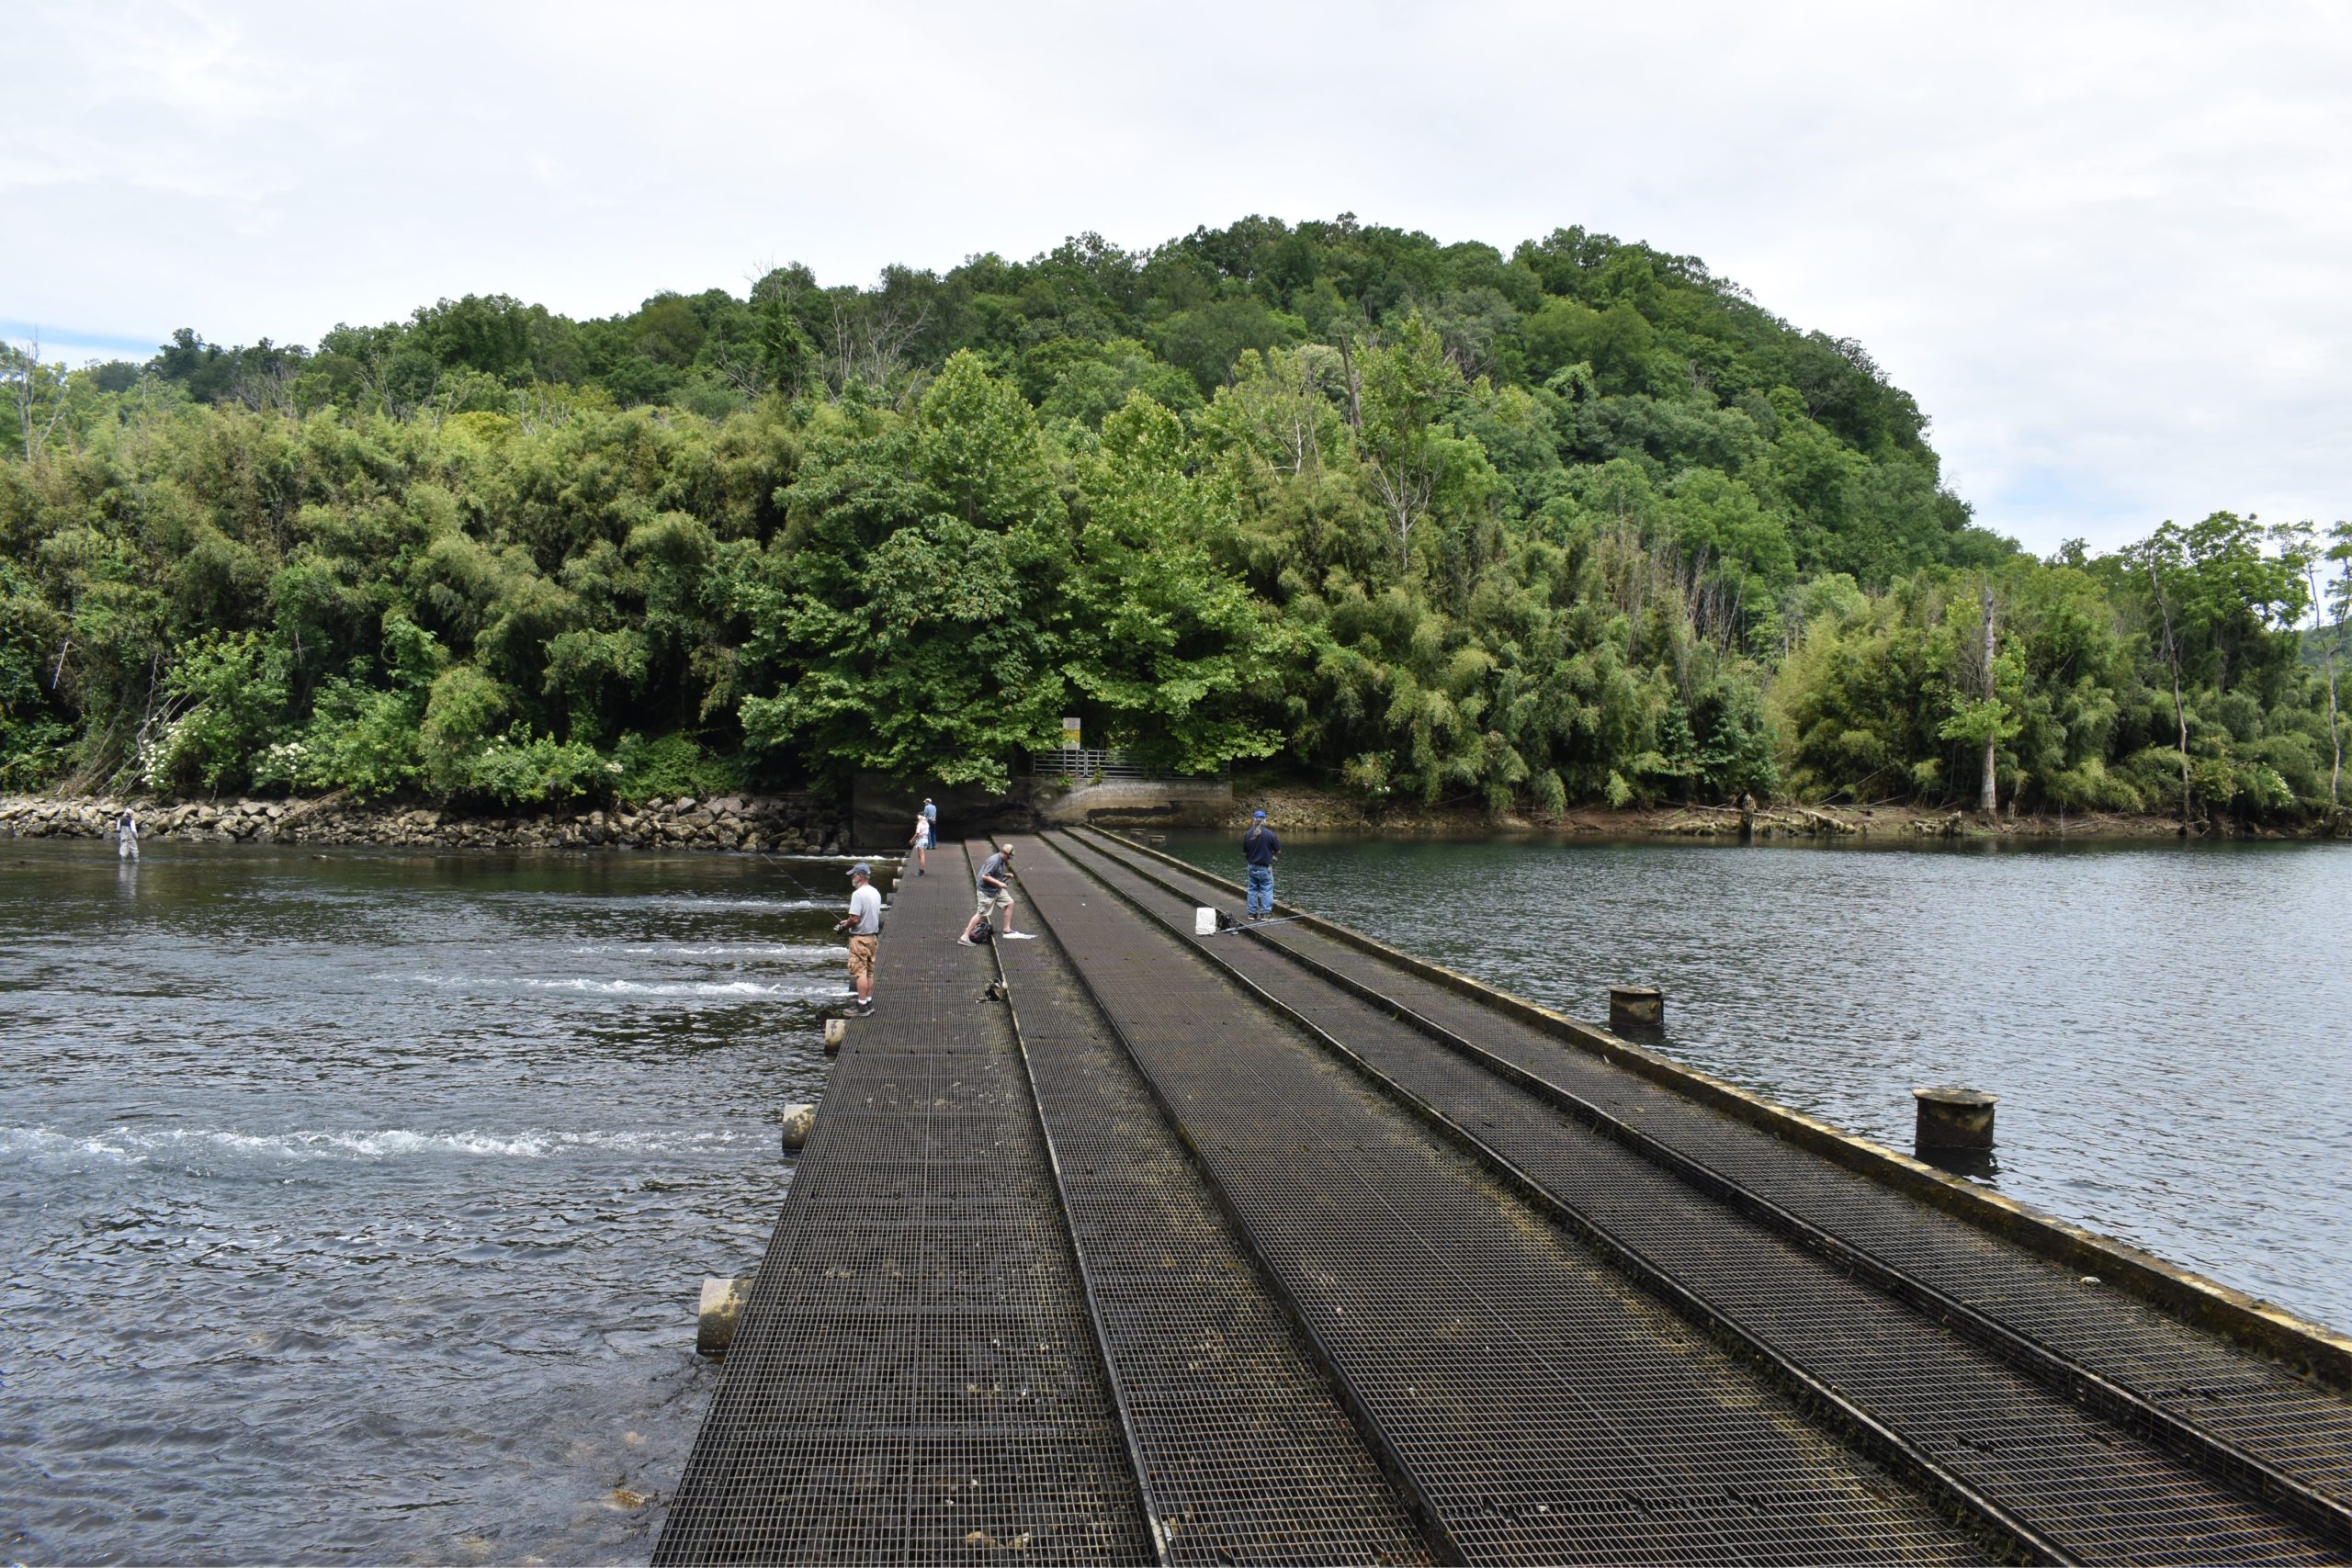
(1071, 740)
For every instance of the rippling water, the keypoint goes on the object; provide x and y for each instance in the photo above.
(356, 1205)
(2169, 1026)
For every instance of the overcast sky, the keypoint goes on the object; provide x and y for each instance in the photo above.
(2107, 250)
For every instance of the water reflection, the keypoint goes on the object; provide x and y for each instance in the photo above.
(1983, 1165)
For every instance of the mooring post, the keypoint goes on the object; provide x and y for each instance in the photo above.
(799, 1117)
(1954, 1119)
(836, 1030)
(722, 1299)
(1637, 1007)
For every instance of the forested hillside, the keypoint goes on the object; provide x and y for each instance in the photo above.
(1580, 523)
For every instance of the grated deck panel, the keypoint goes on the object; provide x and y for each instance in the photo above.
(2095, 1488)
(1248, 1456)
(1540, 1408)
(914, 1379)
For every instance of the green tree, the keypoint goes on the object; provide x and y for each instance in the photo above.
(1414, 464)
(1166, 648)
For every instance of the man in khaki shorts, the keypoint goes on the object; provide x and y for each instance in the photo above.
(992, 889)
(864, 923)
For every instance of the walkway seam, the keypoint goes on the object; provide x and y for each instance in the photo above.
(1155, 1515)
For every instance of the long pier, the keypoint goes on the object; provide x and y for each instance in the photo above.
(1127, 1245)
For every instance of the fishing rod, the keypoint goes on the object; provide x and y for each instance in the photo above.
(1253, 925)
(771, 855)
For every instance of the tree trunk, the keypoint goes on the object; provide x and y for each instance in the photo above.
(2179, 711)
(2334, 735)
(2180, 716)
(1355, 387)
(1988, 802)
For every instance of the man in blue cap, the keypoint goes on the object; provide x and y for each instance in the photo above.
(1258, 848)
(864, 923)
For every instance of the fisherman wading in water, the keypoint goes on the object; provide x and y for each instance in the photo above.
(126, 834)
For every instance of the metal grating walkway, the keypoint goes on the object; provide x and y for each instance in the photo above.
(914, 1379)
(1273, 1249)
(2304, 1431)
(1248, 1455)
(1541, 1409)
(2077, 1466)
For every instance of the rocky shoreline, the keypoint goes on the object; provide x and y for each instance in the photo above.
(1294, 810)
(804, 824)
(787, 824)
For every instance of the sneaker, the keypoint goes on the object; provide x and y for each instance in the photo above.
(861, 1009)
(1021, 936)
(966, 941)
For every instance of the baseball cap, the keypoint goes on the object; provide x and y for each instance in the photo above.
(1257, 817)
(861, 869)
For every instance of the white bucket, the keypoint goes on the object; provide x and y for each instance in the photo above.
(1205, 923)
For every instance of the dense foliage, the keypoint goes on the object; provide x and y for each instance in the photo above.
(1579, 523)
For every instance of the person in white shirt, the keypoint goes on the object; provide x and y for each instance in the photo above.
(864, 923)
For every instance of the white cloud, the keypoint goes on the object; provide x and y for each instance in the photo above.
(2103, 247)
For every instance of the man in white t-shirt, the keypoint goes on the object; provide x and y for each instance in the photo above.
(864, 923)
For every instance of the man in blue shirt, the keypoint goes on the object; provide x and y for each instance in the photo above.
(1258, 848)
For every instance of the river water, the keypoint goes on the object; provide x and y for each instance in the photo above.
(356, 1202)
(356, 1205)
(2169, 1026)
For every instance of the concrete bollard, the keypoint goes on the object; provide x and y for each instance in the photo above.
(797, 1120)
(722, 1301)
(1637, 1007)
(836, 1030)
(1953, 1119)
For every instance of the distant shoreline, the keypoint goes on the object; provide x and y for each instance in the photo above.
(801, 824)
(1317, 811)
(784, 824)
